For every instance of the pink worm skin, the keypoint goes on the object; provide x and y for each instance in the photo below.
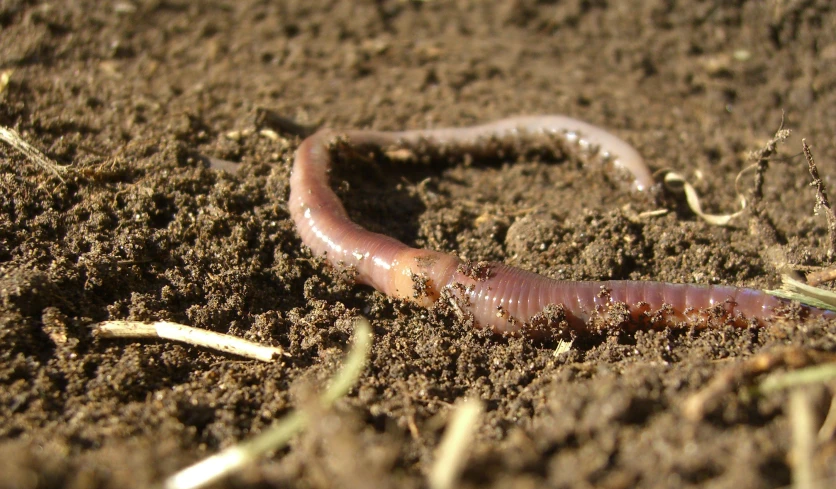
(495, 295)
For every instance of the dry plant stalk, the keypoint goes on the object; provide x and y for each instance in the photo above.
(186, 334)
(821, 276)
(744, 373)
(759, 223)
(451, 453)
(13, 139)
(822, 202)
(233, 458)
(803, 421)
(762, 156)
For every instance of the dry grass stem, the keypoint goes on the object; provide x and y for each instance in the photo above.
(759, 222)
(13, 139)
(822, 202)
(236, 457)
(745, 373)
(794, 290)
(803, 421)
(821, 276)
(5, 78)
(453, 449)
(673, 179)
(563, 347)
(828, 427)
(761, 158)
(187, 334)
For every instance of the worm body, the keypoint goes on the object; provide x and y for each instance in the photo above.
(495, 295)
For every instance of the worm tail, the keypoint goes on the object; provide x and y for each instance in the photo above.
(511, 299)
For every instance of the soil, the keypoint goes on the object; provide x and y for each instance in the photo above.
(137, 98)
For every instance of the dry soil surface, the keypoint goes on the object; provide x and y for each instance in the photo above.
(136, 98)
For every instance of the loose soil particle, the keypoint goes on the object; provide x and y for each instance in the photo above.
(137, 97)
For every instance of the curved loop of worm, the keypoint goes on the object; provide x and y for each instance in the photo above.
(497, 296)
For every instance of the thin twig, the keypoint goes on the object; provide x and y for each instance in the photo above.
(762, 156)
(186, 334)
(821, 198)
(744, 373)
(759, 223)
(234, 458)
(13, 139)
(821, 276)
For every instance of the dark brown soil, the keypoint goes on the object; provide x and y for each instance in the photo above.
(137, 96)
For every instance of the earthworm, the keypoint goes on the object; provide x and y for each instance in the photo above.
(494, 295)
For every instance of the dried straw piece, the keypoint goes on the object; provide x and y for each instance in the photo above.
(186, 334)
(13, 139)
